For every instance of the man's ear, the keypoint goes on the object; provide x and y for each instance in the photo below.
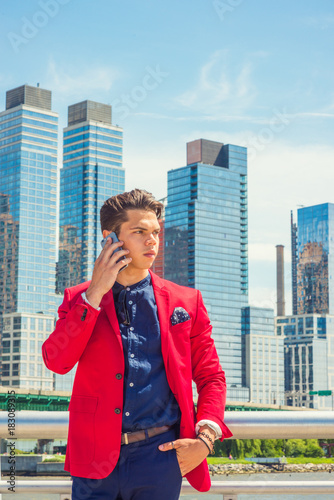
(105, 233)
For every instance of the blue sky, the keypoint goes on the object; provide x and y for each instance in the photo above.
(250, 72)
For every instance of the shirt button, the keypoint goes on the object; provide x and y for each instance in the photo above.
(132, 356)
(118, 376)
(117, 411)
(127, 413)
(131, 328)
(131, 384)
(128, 289)
(130, 302)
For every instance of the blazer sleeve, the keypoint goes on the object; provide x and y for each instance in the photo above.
(207, 372)
(64, 347)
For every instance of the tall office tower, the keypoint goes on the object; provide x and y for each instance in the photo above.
(280, 280)
(8, 256)
(294, 258)
(28, 183)
(206, 243)
(263, 356)
(159, 263)
(309, 359)
(315, 267)
(92, 172)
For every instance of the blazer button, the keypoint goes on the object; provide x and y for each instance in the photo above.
(118, 376)
(118, 411)
(84, 314)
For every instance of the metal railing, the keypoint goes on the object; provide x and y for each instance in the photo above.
(230, 489)
(244, 425)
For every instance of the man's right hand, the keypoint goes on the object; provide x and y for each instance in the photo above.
(105, 271)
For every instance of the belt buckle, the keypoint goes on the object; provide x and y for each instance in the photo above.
(126, 434)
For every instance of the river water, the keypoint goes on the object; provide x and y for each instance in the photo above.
(301, 476)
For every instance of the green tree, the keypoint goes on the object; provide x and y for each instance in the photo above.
(268, 447)
(295, 447)
(252, 447)
(313, 449)
(240, 448)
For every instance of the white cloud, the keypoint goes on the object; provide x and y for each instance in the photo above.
(267, 297)
(69, 82)
(218, 89)
(265, 252)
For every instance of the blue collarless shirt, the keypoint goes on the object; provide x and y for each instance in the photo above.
(148, 400)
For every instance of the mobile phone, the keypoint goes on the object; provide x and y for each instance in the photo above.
(114, 239)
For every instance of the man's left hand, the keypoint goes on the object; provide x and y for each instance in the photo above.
(190, 453)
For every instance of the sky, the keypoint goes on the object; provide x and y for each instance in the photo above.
(256, 73)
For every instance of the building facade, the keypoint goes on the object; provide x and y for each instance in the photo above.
(28, 185)
(206, 243)
(315, 260)
(92, 172)
(22, 337)
(294, 259)
(309, 358)
(263, 356)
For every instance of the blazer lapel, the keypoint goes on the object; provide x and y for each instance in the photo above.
(108, 305)
(162, 298)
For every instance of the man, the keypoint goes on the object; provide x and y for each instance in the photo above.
(139, 341)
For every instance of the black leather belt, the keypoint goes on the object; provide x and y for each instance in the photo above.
(134, 437)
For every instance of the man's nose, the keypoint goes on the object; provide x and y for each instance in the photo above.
(151, 240)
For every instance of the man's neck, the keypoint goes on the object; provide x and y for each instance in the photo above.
(130, 277)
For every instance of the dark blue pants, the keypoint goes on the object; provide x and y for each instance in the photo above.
(143, 472)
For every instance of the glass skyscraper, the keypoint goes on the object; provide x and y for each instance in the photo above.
(206, 243)
(315, 259)
(28, 183)
(92, 172)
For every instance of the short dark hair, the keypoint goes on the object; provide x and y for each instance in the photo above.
(113, 212)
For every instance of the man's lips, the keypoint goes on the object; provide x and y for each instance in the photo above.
(149, 254)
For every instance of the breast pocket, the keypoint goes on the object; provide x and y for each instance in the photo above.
(82, 428)
(180, 340)
(184, 327)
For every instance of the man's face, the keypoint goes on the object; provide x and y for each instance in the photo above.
(141, 236)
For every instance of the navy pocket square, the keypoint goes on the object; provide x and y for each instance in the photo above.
(179, 315)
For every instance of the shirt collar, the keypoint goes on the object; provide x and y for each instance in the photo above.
(117, 287)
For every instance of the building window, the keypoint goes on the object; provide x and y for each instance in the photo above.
(5, 370)
(17, 323)
(309, 321)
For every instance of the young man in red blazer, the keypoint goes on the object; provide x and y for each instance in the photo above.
(139, 341)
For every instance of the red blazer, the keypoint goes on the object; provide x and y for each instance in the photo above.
(93, 339)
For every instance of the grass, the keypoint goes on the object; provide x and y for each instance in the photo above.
(58, 458)
(310, 460)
